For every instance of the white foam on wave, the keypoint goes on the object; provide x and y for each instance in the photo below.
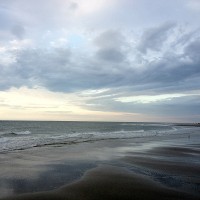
(131, 124)
(33, 140)
(145, 124)
(9, 143)
(14, 133)
(22, 133)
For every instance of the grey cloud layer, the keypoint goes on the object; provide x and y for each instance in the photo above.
(130, 47)
(18, 31)
(154, 38)
(58, 68)
(111, 46)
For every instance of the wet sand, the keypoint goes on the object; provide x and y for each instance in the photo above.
(160, 168)
(108, 182)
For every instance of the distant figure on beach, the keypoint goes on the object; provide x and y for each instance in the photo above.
(189, 136)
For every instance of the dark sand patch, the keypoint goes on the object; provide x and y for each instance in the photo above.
(108, 182)
(176, 166)
(176, 160)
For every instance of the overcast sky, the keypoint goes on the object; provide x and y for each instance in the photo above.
(116, 60)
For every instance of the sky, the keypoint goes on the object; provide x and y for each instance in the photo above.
(100, 60)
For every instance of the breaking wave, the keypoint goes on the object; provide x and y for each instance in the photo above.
(67, 134)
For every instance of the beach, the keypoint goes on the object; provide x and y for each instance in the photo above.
(165, 167)
(100, 100)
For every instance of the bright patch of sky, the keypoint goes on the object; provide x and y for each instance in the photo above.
(150, 99)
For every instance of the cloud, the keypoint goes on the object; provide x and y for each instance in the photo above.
(80, 46)
(52, 14)
(109, 60)
(111, 46)
(154, 38)
(194, 5)
(110, 39)
(110, 55)
(18, 31)
(18, 103)
(174, 105)
(36, 17)
(67, 69)
(192, 50)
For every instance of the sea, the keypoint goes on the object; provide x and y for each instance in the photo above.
(19, 135)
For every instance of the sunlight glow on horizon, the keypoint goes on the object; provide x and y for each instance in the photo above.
(40, 104)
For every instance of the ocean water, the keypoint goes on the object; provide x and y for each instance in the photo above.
(17, 135)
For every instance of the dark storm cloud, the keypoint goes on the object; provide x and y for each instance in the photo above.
(154, 38)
